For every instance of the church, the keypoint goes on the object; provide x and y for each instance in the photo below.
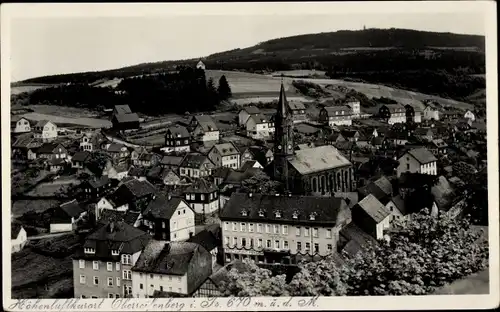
(318, 171)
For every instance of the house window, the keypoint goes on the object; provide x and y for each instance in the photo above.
(117, 265)
(243, 242)
(261, 213)
(285, 229)
(235, 241)
(128, 290)
(250, 228)
(268, 228)
(114, 252)
(277, 244)
(315, 232)
(297, 231)
(259, 243)
(316, 247)
(329, 247)
(202, 197)
(109, 266)
(174, 225)
(328, 233)
(306, 231)
(110, 296)
(285, 244)
(96, 280)
(82, 264)
(141, 286)
(226, 240)
(110, 281)
(235, 227)
(299, 246)
(308, 246)
(278, 214)
(83, 279)
(127, 275)
(407, 166)
(259, 228)
(226, 226)
(126, 259)
(276, 229)
(242, 227)
(118, 282)
(89, 250)
(95, 265)
(268, 243)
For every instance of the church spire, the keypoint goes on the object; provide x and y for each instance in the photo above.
(282, 103)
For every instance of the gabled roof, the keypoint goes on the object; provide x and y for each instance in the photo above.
(439, 143)
(305, 128)
(293, 105)
(400, 204)
(326, 209)
(201, 186)
(123, 109)
(252, 110)
(206, 123)
(96, 183)
(318, 159)
(338, 108)
(80, 156)
(72, 208)
(131, 117)
(226, 149)
(259, 119)
(115, 147)
(422, 155)
(206, 239)
(48, 148)
(248, 164)
(171, 160)
(373, 208)
(56, 161)
(162, 208)
(138, 188)
(194, 161)
(42, 123)
(178, 131)
(107, 215)
(162, 257)
(395, 108)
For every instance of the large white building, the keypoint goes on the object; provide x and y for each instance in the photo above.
(259, 127)
(45, 130)
(225, 155)
(418, 160)
(20, 125)
(355, 106)
(336, 115)
(170, 267)
(431, 112)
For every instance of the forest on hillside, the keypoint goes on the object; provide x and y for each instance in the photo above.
(184, 91)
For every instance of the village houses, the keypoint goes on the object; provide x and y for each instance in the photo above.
(393, 113)
(20, 124)
(204, 129)
(225, 155)
(259, 126)
(196, 166)
(418, 160)
(336, 115)
(297, 111)
(177, 139)
(245, 113)
(45, 131)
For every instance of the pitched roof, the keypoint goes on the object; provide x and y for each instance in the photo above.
(248, 164)
(201, 186)
(374, 208)
(123, 109)
(305, 128)
(422, 155)
(384, 184)
(260, 118)
(80, 156)
(107, 215)
(139, 188)
(206, 123)
(326, 209)
(26, 142)
(42, 123)
(226, 149)
(171, 160)
(72, 208)
(136, 172)
(178, 131)
(194, 161)
(164, 257)
(252, 110)
(439, 143)
(293, 105)
(356, 238)
(395, 108)
(56, 161)
(400, 204)
(48, 148)
(206, 239)
(131, 117)
(338, 108)
(318, 159)
(162, 208)
(115, 147)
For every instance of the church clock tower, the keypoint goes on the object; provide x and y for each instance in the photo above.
(283, 140)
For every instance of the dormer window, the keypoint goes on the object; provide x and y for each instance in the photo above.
(114, 252)
(312, 216)
(261, 213)
(89, 250)
(277, 213)
(295, 215)
(244, 213)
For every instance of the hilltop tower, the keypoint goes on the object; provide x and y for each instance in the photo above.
(283, 140)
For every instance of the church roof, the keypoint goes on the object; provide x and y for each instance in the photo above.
(317, 159)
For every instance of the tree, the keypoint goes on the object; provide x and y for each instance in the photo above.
(224, 89)
(260, 183)
(463, 170)
(317, 279)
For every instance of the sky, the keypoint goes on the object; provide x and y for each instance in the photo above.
(56, 45)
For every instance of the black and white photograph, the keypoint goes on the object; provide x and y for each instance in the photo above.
(178, 154)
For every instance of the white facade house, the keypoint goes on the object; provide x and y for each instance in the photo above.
(21, 126)
(259, 127)
(336, 115)
(204, 128)
(225, 155)
(18, 238)
(105, 203)
(431, 113)
(45, 130)
(200, 65)
(245, 113)
(470, 115)
(355, 106)
(418, 160)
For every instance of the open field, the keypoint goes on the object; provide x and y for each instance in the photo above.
(241, 82)
(299, 73)
(26, 88)
(51, 188)
(85, 122)
(63, 111)
(19, 207)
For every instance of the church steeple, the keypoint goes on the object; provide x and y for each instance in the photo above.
(283, 139)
